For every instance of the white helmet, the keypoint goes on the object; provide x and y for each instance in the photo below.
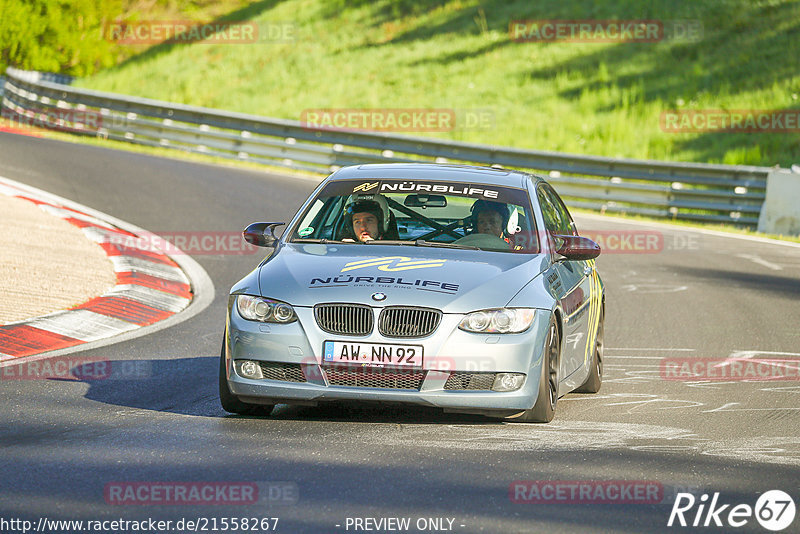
(374, 203)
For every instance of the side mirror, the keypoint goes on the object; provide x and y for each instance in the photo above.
(261, 234)
(574, 247)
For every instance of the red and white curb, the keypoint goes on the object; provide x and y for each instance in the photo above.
(18, 131)
(151, 287)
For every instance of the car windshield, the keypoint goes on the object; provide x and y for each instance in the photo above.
(421, 213)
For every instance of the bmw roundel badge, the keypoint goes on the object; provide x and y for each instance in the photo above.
(379, 296)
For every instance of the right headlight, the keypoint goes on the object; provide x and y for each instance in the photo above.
(499, 321)
(264, 310)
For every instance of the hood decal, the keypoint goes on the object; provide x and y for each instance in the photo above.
(401, 263)
(384, 281)
(452, 280)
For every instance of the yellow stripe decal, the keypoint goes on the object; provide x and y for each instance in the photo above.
(401, 263)
(371, 262)
(406, 266)
(594, 316)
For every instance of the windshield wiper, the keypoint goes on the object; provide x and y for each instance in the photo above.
(418, 243)
(423, 243)
(415, 243)
(311, 240)
(388, 242)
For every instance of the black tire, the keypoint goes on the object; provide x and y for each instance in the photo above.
(230, 402)
(545, 407)
(595, 378)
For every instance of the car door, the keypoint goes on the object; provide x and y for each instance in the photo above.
(574, 290)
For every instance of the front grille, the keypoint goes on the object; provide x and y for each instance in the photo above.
(344, 319)
(397, 321)
(474, 381)
(371, 377)
(286, 372)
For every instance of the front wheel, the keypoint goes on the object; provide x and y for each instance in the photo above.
(545, 407)
(230, 402)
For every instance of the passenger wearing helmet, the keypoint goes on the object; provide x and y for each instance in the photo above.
(489, 217)
(367, 217)
(488, 220)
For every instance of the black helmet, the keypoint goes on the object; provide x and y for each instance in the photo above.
(489, 205)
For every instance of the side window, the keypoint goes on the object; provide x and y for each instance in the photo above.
(553, 206)
(318, 222)
(551, 215)
(334, 212)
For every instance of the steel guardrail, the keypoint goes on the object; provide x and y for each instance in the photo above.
(675, 190)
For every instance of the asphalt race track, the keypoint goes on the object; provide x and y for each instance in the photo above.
(692, 295)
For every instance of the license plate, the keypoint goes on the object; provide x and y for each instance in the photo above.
(372, 354)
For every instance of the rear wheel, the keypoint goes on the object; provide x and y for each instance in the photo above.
(545, 407)
(230, 402)
(595, 379)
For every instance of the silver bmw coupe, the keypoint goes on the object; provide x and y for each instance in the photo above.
(456, 287)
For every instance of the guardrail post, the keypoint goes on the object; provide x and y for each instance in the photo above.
(780, 213)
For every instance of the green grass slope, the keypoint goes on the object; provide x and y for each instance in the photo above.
(588, 98)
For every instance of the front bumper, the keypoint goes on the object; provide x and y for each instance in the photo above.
(448, 350)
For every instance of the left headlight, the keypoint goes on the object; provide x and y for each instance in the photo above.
(499, 321)
(264, 310)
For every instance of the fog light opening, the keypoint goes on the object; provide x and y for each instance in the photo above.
(508, 381)
(248, 369)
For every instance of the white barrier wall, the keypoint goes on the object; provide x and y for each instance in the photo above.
(781, 211)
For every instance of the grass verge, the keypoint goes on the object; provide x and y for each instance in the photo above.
(596, 98)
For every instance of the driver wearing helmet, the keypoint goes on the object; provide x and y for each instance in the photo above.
(489, 217)
(368, 217)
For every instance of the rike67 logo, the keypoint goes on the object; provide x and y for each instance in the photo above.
(774, 510)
